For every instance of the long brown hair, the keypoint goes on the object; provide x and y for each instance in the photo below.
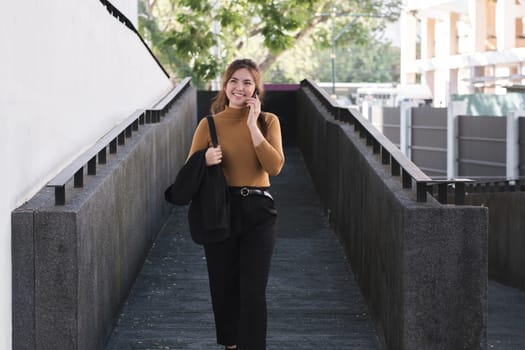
(221, 100)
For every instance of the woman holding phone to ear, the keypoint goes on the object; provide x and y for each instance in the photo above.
(250, 151)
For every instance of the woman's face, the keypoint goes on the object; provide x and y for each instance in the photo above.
(240, 87)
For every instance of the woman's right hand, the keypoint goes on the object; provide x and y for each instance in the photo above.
(213, 156)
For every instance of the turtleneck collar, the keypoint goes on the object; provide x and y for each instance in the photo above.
(234, 112)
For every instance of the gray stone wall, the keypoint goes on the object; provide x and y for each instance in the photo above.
(506, 235)
(422, 267)
(521, 147)
(74, 265)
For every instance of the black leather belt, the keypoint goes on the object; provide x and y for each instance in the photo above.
(246, 191)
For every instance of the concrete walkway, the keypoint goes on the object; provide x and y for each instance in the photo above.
(506, 323)
(313, 300)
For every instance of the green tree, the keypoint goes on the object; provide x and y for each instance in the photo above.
(373, 62)
(181, 31)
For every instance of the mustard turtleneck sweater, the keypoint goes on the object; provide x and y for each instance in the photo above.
(242, 163)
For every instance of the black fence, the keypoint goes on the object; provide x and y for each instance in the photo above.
(390, 154)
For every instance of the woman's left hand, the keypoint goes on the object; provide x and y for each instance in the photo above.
(255, 109)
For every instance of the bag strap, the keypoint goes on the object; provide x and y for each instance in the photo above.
(213, 131)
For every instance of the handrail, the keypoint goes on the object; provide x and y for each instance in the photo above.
(115, 137)
(164, 104)
(390, 154)
(470, 186)
(115, 12)
(497, 185)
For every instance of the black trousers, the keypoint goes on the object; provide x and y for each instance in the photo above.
(238, 269)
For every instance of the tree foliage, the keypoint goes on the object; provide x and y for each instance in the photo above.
(373, 62)
(199, 37)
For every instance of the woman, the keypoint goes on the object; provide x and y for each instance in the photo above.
(250, 150)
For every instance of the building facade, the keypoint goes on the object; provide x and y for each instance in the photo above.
(463, 46)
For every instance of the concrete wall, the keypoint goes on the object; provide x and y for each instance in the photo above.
(69, 72)
(5, 248)
(422, 267)
(506, 235)
(74, 265)
(521, 148)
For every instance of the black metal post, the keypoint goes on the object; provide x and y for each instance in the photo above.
(122, 139)
(460, 193)
(421, 191)
(385, 156)
(102, 158)
(92, 166)
(60, 195)
(396, 169)
(407, 179)
(79, 178)
(113, 146)
(442, 193)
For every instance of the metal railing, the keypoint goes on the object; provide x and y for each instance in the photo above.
(477, 186)
(114, 138)
(390, 154)
(496, 185)
(115, 12)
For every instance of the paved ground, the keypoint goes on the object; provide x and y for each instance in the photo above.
(506, 323)
(313, 300)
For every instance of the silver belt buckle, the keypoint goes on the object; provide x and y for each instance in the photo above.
(245, 191)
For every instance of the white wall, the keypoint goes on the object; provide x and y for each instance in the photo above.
(69, 72)
(5, 239)
(129, 8)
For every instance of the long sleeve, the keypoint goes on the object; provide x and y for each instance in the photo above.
(243, 164)
(201, 138)
(270, 151)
